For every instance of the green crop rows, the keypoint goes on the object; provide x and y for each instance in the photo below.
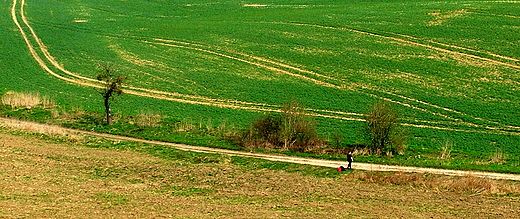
(451, 68)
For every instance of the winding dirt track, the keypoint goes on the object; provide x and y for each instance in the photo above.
(52, 129)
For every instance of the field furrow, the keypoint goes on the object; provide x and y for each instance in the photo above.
(408, 101)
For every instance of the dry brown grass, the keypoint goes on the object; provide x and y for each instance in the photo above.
(148, 119)
(27, 100)
(42, 180)
(184, 126)
(499, 157)
(475, 185)
(446, 149)
(36, 128)
(466, 184)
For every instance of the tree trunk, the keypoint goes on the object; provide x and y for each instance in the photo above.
(107, 111)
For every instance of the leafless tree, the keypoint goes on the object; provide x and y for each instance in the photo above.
(384, 131)
(112, 84)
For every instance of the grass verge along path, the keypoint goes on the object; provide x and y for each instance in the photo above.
(51, 129)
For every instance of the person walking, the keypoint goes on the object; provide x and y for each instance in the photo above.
(349, 160)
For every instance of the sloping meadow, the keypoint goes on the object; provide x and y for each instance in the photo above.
(451, 69)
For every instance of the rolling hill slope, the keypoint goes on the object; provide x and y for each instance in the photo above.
(443, 65)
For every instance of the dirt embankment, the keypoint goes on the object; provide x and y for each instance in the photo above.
(51, 129)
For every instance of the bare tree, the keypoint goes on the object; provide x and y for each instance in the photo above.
(291, 130)
(384, 132)
(298, 132)
(112, 84)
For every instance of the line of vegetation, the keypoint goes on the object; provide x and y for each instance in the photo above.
(289, 133)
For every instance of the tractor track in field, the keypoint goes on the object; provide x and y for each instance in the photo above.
(15, 124)
(259, 62)
(338, 84)
(183, 98)
(410, 40)
(275, 69)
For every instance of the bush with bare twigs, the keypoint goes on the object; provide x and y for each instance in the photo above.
(147, 119)
(291, 130)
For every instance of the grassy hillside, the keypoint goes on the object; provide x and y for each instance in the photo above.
(451, 68)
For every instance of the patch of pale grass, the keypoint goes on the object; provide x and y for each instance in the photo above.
(27, 100)
(39, 128)
(441, 17)
(446, 149)
(148, 119)
(184, 126)
(472, 61)
(499, 157)
(134, 58)
(468, 183)
(254, 5)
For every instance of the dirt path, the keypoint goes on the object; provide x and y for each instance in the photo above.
(52, 129)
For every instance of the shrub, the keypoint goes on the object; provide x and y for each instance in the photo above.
(291, 130)
(298, 133)
(268, 128)
(383, 130)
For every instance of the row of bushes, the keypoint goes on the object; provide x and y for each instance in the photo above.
(292, 130)
(289, 130)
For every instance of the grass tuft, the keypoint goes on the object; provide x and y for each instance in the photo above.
(26, 100)
(474, 184)
(148, 119)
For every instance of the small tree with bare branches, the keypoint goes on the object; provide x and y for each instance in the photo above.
(112, 84)
(298, 132)
(384, 131)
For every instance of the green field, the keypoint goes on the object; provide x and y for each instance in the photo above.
(450, 68)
